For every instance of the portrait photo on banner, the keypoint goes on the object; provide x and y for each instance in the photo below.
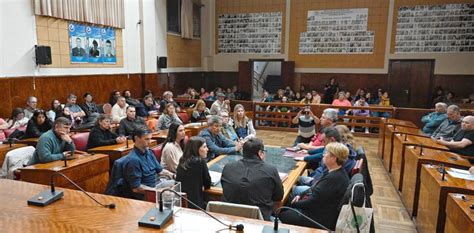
(91, 44)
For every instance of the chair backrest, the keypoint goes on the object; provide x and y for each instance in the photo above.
(357, 167)
(359, 192)
(157, 152)
(246, 211)
(107, 109)
(15, 159)
(184, 117)
(80, 140)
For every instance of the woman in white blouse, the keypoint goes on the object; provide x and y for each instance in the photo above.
(168, 117)
(173, 147)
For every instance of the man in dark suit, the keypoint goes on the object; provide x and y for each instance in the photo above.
(78, 51)
(108, 49)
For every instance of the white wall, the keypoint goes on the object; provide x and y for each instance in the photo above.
(17, 42)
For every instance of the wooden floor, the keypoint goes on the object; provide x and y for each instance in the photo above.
(389, 213)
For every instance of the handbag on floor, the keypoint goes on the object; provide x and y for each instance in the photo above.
(354, 219)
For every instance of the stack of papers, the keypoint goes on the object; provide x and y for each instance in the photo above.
(215, 177)
(460, 174)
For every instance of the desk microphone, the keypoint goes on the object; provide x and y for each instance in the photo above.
(49, 196)
(274, 229)
(10, 141)
(157, 218)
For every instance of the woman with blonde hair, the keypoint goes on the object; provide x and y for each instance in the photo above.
(346, 136)
(168, 117)
(200, 111)
(242, 124)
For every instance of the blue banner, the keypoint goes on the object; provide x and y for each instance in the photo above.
(91, 44)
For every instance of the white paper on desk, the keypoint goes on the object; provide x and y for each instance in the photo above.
(215, 177)
(283, 176)
(460, 174)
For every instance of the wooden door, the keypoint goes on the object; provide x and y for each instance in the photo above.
(245, 77)
(411, 83)
(288, 74)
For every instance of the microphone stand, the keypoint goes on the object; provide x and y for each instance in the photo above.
(49, 196)
(161, 216)
(274, 229)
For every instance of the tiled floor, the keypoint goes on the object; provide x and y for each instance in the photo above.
(389, 213)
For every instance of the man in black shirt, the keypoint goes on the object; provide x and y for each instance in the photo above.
(132, 122)
(251, 181)
(463, 141)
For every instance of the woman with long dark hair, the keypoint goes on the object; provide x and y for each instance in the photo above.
(173, 147)
(192, 171)
(37, 125)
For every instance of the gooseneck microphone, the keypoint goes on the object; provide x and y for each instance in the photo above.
(49, 196)
(157, 219)
(274, 229)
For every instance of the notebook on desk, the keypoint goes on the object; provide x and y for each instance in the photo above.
(215, 177)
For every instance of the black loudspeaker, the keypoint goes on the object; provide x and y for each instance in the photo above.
(161, 62)
(43, 55)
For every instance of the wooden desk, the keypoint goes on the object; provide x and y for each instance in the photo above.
(77, 213)
(90, 172)
(459, 217)
(29, 141)
(160, 136)
(412, 160)
(388, 125)
(195, 128)
(116, 151)
(433, 196)
(5, 148)
(216, 193)
(389, 140)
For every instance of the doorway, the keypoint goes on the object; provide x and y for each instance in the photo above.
(266, 75)
(411, 83)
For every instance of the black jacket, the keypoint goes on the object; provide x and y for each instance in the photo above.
(193, 179)
(34, 130)
(251, 181)
(99, 137)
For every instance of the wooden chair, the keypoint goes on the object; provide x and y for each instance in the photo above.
(246, 211)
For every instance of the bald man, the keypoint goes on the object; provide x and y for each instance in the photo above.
(463, 141)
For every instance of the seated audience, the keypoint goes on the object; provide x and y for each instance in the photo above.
(211, 96)
(90, 108)
(227, 128)
(200, 112)
(16, 120)
(463, 141)
(279, 95)
(359, 94)
(119, 110)
(283, 109)
(192, 171)
(384, 101)
(306, 121)
(101, 134)
(147, 107)
(369, 99)
(55, 144)
(37, 125)
(432, 120)
(168, 117)
(73, 111)
(308, 99)
(251, 181)
(361, 112)
(266, 97)
(128, 98)
(216, 142)
(113, 97)
(31, 106)
(450, 126)
(316, 97)
(55, 111)
(173, 147)
(168, 99)
(449, 98)
(342, 101)
(220, 104)
(242, 124)
(438, 95)
(321, 202)
(131, 123)
(298, 97)
(229, 94)
(142, 169)
(328, 119)
(204, 93)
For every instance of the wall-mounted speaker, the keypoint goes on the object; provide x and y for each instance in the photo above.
(43, 55)
(162, 62)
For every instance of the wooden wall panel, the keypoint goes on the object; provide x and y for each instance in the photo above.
(183, 52)
(347, 82)
(461, 85)
(17, 90)
(378, 11)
